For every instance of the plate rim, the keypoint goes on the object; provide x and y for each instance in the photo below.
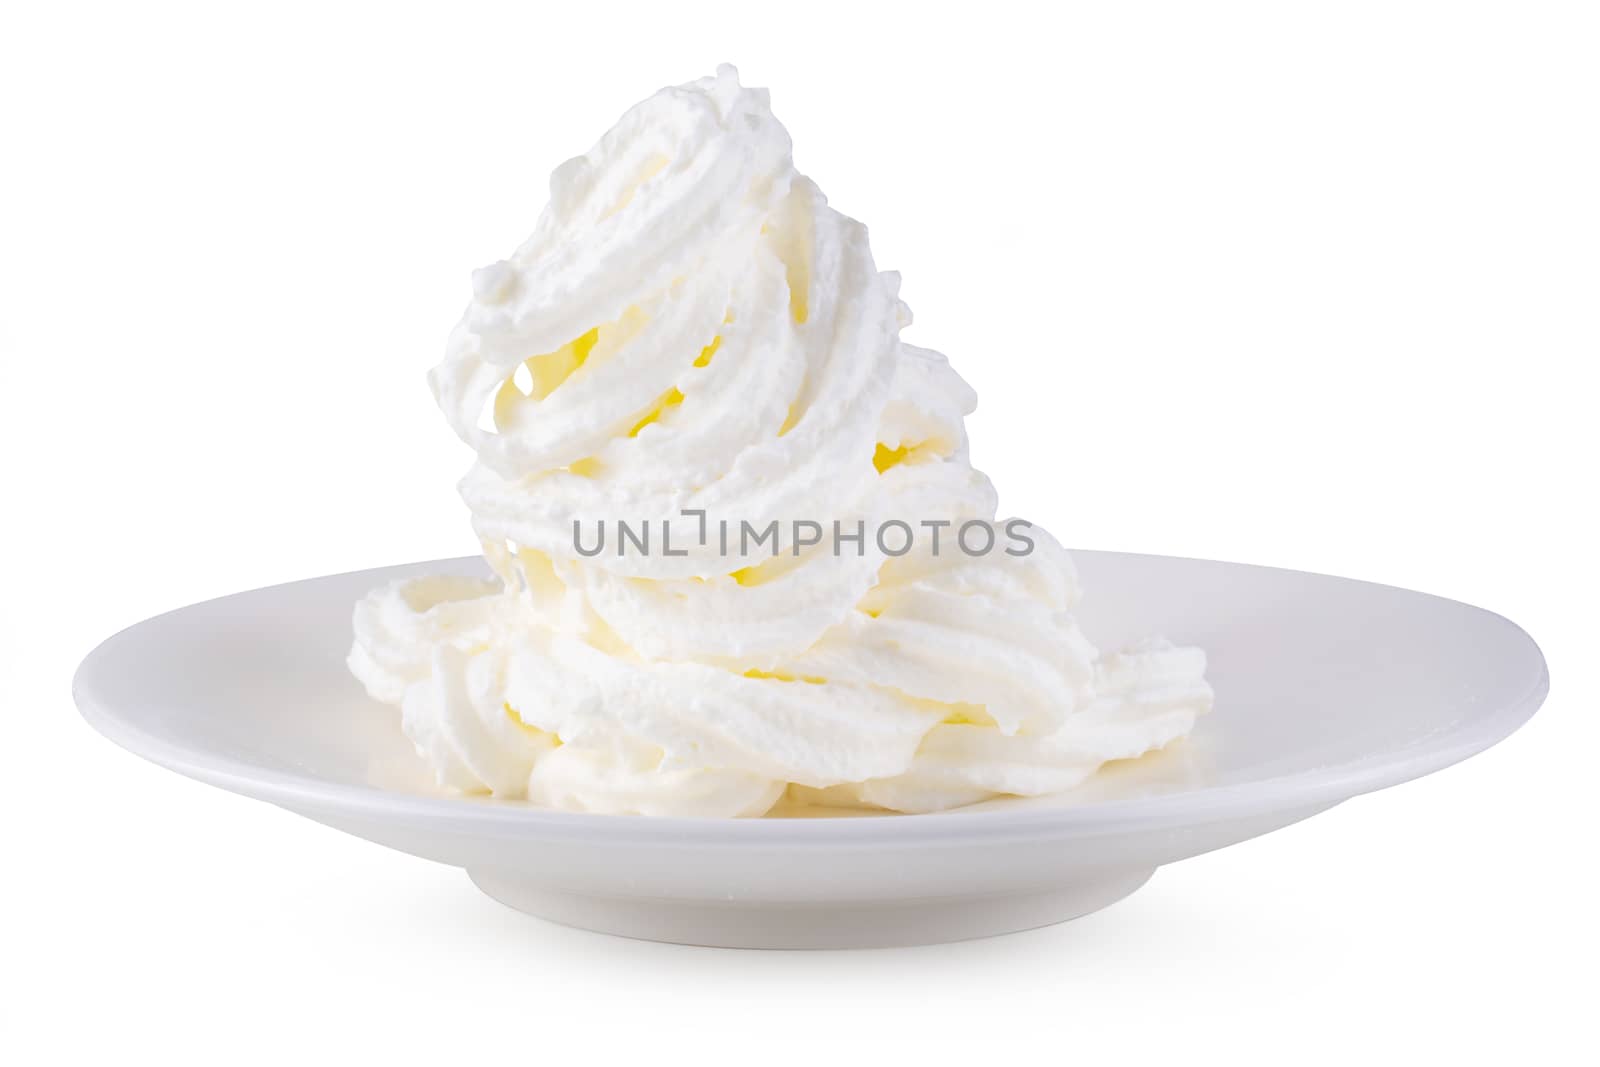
(1308, 790)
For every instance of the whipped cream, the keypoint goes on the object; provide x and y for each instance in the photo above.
(692, 329)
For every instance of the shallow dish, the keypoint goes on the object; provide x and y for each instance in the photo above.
(1326, 688)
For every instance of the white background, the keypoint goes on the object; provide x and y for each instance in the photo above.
(1312, 285)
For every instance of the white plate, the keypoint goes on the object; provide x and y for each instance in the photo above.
(1326, 688)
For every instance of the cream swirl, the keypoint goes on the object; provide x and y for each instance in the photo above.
(692, 330)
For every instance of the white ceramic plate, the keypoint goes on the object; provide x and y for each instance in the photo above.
(1326, 688)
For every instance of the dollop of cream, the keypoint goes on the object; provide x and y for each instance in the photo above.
(692, 329)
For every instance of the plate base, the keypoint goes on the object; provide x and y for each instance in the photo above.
(777, 924)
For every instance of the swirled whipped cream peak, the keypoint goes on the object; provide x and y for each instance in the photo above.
(739, 551)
